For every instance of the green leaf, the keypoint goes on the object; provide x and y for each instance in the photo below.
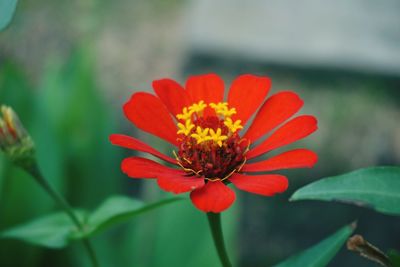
(57, 230)
(322, 253)
(376, 187)
(52, 231)
(119, 209)
(394, 257)
(7, 9)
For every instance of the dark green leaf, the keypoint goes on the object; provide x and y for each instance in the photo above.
(376, 187)
(7, 9)
(394, 257)
(322, 253)
(52, 231)
(118, 209)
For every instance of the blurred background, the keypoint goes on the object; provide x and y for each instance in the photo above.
(67, 67)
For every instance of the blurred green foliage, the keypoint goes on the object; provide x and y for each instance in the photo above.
(394, 257)
(70, 123)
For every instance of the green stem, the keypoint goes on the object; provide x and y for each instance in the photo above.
(90, 251)
(214, 220)
(36, 173)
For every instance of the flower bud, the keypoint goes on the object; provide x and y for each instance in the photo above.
(15, 141)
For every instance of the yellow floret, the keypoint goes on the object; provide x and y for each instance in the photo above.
(186, 114)
(185, 128)
(221, 108)
(229, 112)
(233, 126)
(201, 135)
(198, 107)
(217, 137)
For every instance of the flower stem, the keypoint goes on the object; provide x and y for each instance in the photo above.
(36, 173)
(214, 220)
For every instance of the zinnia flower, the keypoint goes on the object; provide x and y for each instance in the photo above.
(212, 147)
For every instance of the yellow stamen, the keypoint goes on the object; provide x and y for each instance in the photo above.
(220, 105)
(201, 135)
(207, 134)
(233, 126)
(185, 115)
(221, 108)
(229, 112)
(185, 128)
(198, 107)
(217, 137)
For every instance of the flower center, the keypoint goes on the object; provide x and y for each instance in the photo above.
(210, 145)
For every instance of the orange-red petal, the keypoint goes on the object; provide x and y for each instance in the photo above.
(172, 94)
(276, 110)
(179, 183)
(136, 144)
(148, 113)
(290, 132)
(208, 87)
(266, 185)
(213, 197)
(297, 158)
(137, 167)
(247, 93)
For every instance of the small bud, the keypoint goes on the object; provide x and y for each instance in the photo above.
(359, 245)
(15, 141)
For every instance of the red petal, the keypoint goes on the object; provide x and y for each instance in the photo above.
(148, 113)
(290, 132)
(297, 158)
(137, 167)
(213, 197)
(247, 93)
(208, 87)
(136, 144)
(277, 109)
(266, 185)
(179, 183)
(172, 95)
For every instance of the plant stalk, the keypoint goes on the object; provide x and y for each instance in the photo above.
(214, 220)
(36, 173)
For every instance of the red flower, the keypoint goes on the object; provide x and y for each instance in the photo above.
(210, 149)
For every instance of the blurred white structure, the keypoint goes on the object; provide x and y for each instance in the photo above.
(357, 35)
